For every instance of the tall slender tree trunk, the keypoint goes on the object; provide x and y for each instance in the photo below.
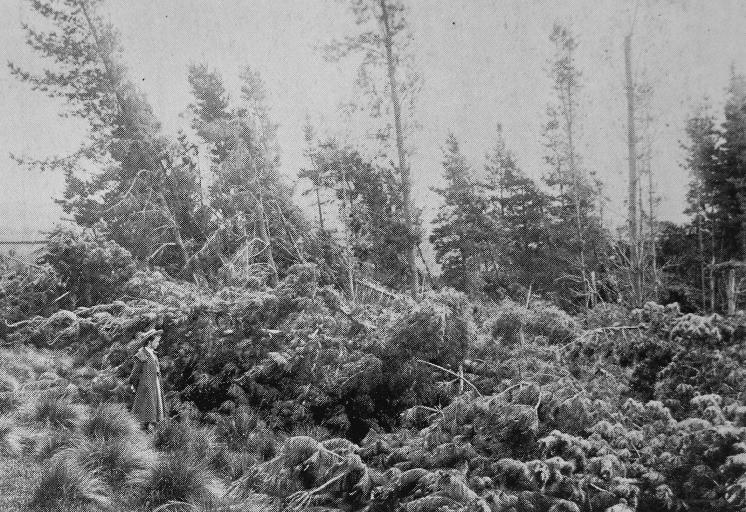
(318, 205)
(577, 193)
(731, 291)
(702, 263)
(713, 281)
(633, 176)
(263, 233)
(403, 168)
(347, 209)
(653, 230)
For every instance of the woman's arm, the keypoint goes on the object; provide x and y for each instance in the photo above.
(136, 372)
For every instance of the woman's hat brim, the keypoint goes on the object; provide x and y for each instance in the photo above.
(152, 333)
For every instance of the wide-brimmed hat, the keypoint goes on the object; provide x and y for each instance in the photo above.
(152, 333)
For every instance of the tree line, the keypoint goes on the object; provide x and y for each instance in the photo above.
(498, 232)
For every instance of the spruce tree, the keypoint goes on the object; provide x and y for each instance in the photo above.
(387, 78)
(462, 231)
(577, 239)
(518, 209)
(728, 184)
(143, 190)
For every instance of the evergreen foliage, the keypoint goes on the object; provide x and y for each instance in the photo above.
(462, 233)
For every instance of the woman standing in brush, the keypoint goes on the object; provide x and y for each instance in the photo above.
(145, 380)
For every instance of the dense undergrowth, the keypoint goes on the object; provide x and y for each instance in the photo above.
(292, 398)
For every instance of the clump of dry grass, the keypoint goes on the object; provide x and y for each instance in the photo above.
(111, 421)
(230, 463)
(9, 401)
(49, 442)
(9, 392)
(11, 438)
(8, 383)
(114, 460)
(185, 437)
(235, 428)
(24, 362)
(66, 484)
(53, 410)
(177, 478)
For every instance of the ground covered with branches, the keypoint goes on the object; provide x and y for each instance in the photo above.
(291, 398)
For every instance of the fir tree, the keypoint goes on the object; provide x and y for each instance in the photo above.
(387, 78)
(518, 208)
(462, 232)
(143, 191)
(728, 184)
(577, 239)
(370, 208)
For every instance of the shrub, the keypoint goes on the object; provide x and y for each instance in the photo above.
(27, 291)
(439, 329)
(507, 322)
(606, 314)
(91, 268)
(66, 484)
(177, 478)
(539, 319)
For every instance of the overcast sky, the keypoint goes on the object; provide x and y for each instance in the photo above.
(483, 61)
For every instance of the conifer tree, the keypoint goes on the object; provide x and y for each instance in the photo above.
(319, 181)
(144, 189)
(728, 184)
(247, 190)
(701, 160)
(518, 209)
(577, 236)
(369, 204)
(462, 231)
(386, 76)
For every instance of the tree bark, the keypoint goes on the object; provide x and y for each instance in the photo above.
(652, 229)
(264, 237)
(731, 291)
(633, 176)
(318, 204)
(577, 195)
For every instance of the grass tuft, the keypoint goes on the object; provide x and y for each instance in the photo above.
(8, 383)
(52, 409)
(235, 428)
(114, 460)
(11, 439)
(111, 421)
(178, 478)
(172, 436)
(9, 401)
(50, 442)
(67, 484)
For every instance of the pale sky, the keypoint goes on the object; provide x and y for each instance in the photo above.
(483, 61)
